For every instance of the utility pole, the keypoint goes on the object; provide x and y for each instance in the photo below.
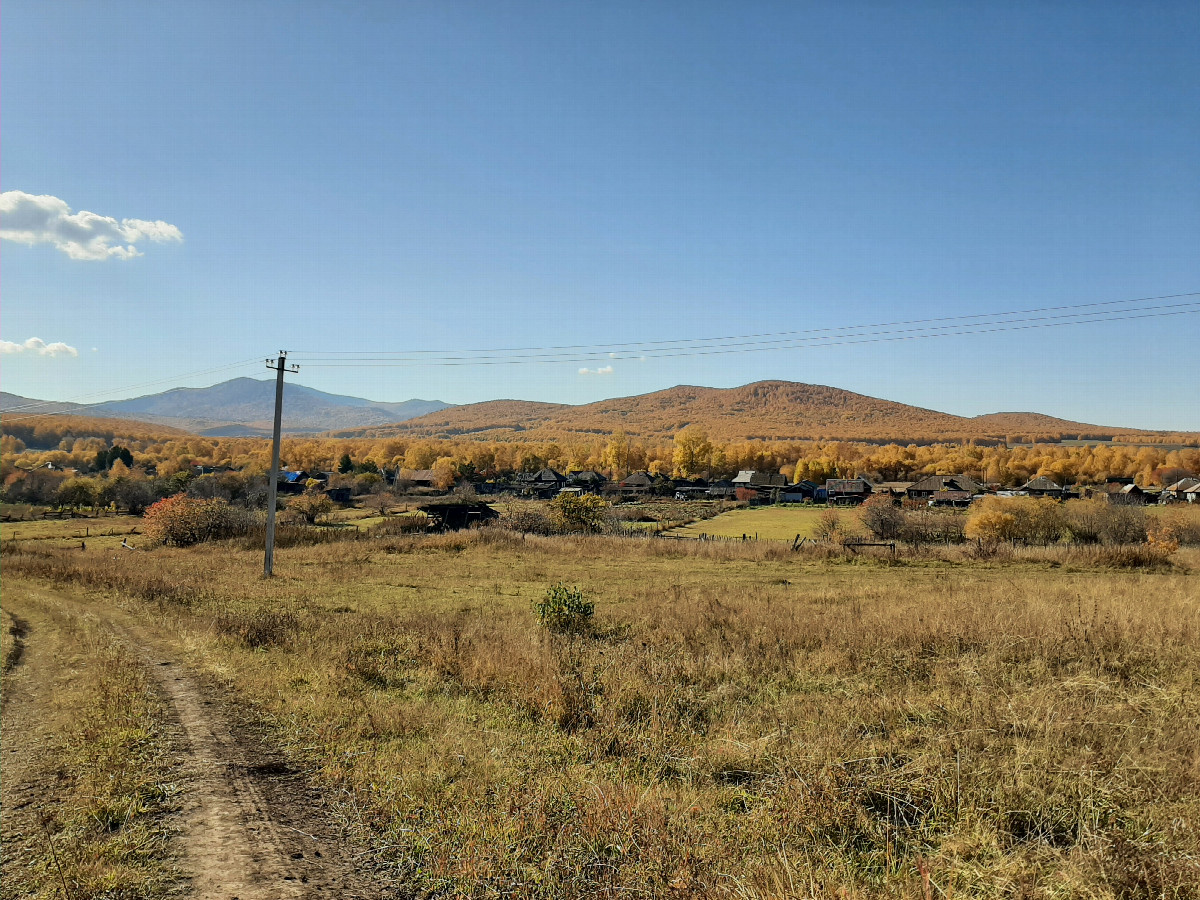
(280, 366)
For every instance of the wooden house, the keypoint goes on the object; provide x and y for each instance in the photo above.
(847, 491)
(897, 490)
(422, 478)
(928, 488)
(638, 484)
(544, 483)
(591, 482)
(721, 490)
(1177, 491)
(1043, 487)
(293, 482)
(800, 492)
(454, 515)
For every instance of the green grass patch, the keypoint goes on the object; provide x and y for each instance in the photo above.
(769, 523)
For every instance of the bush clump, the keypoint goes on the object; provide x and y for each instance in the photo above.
(182, 521)
(564, 610)
(585, 512)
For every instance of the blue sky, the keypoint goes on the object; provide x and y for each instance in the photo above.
(350, 177)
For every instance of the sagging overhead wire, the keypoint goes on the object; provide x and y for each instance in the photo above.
(948, 326)
(903, 330)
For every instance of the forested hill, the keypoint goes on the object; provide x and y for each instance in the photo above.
(769, 410)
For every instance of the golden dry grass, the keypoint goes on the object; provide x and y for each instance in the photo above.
(766, 523)
(87, 761)
(743, 721)
(71, 531)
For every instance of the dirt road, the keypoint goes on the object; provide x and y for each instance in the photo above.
(249, 827)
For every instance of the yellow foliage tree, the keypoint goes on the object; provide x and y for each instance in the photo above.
(693, 452)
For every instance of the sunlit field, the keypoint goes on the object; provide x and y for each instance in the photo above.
(766, 523)
(738, 720)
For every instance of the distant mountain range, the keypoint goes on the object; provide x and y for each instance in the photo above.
(242, 407)
(766, 410)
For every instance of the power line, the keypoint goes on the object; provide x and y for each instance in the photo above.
(797, 343)
(666, 344)
(886, 332)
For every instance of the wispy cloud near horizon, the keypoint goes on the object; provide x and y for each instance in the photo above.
(45, 219)
(602, 370)
(38, 346)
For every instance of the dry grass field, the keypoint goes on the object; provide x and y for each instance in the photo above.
(87, 780)
(767, 523)
(70, 531)
(740, 721)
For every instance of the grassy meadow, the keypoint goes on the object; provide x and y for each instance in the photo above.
(70, 531)
(768, 523)
(740, 721)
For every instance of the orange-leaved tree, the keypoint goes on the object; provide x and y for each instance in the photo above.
(181, 520)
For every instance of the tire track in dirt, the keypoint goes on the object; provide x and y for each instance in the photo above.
(252, 828)
(18, 628)
(29, 673)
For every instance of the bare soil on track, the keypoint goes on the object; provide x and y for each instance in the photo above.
(250, 827)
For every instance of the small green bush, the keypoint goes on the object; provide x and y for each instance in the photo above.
(564, 610)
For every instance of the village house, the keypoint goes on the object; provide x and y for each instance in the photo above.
(765, 485)
(297, 482)
(1123, 494)
(897, 490)
(800, 492)
(691, 489)
(929, 488)
(1043, 487)
(591, 482)
(1175, 492)
(847, 491)
(544, 483)
(721, 490)
(637, 484)
(422, 478)
(752, 479)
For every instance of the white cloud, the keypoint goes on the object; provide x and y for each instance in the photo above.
(38, 346)
(603, 370)
(44, 219)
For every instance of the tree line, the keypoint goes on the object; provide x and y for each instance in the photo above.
(690, 454)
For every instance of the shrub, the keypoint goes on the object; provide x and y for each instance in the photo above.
(1085, 520)
(923, 525)
(526, 518)
(182, 521)
(990, 526)
(135, 494)
(830, 528)
(564, 610)
(311, 506)
(882, 517)
(77, 492)
(1182, 524)
(1025, 520)
(1124, 525)
(582, 512)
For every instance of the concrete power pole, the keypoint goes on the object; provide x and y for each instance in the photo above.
(280, 366)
